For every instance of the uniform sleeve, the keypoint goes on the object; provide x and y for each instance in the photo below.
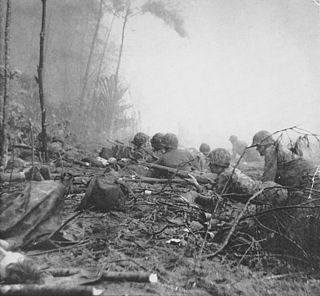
(242, 183)
(270, 165)
(239, 183)
(194, 160)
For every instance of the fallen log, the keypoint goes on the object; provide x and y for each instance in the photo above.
(53, 290)
(14, 177)
(139, 277)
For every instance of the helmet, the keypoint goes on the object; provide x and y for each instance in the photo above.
(140, 139)
(156, 141)
(170, 141)
(262, 138)
(220, 157)
(204, 148)
(233, 138)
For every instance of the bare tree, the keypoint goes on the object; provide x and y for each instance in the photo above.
(40, 82)
(125, 20)
(159, 10)
(94, 39)
(122, 8)
(6, 80)
(2, 12)
(105, 49)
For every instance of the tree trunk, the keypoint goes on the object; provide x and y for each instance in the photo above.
(40, 82)
(94, 94)
(82, 51)
(104, 50)
(116, 76)
(121, 48)
(86, 75)
(2, 13)
(3, 148)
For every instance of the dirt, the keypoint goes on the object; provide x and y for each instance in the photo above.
(162, 233)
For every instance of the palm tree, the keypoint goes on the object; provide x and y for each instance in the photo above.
(3, 137)
(40, 82)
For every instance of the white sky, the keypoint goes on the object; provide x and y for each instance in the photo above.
(245, 66)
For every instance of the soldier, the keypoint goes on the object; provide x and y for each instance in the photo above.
(174, 157)
(204, 149)
(283, 167)
(157, 144)
(140, 147)
(239, 147)
(232, 180)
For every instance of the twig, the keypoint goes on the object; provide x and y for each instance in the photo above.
(300, 206)
(282, 276)
(65, 223)
(11, 173)
(313, 180)
(80, 244)
(246, 252)
(285, 237)
(316, 2)
(32, 147)
(219, 199)
(235, 223)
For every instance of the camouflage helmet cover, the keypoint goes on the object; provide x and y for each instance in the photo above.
(170, 141)
(204, 148)
(140, 139)
(220, 157)
(157, 141)
(262, 138)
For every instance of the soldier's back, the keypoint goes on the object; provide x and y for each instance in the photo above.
(177, 158)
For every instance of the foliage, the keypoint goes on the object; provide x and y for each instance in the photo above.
(170, 16)
(110, 110)
(71, 24)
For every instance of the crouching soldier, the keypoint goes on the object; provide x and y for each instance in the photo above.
(284, 167)
(232, 181)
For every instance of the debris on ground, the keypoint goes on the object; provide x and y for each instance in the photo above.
(105, 224)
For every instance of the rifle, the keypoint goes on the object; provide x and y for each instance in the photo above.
(180, 173)
(118, 143)
(154, 180)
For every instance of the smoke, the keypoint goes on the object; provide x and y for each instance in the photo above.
(170, 16)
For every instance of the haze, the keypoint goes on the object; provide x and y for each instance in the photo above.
(245, 66)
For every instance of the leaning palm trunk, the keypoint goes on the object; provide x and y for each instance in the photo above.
(115, 93)
(40, 82)
(121, 49)
(3, 146)
(104, 50)
(2, 12)
(87, 72)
